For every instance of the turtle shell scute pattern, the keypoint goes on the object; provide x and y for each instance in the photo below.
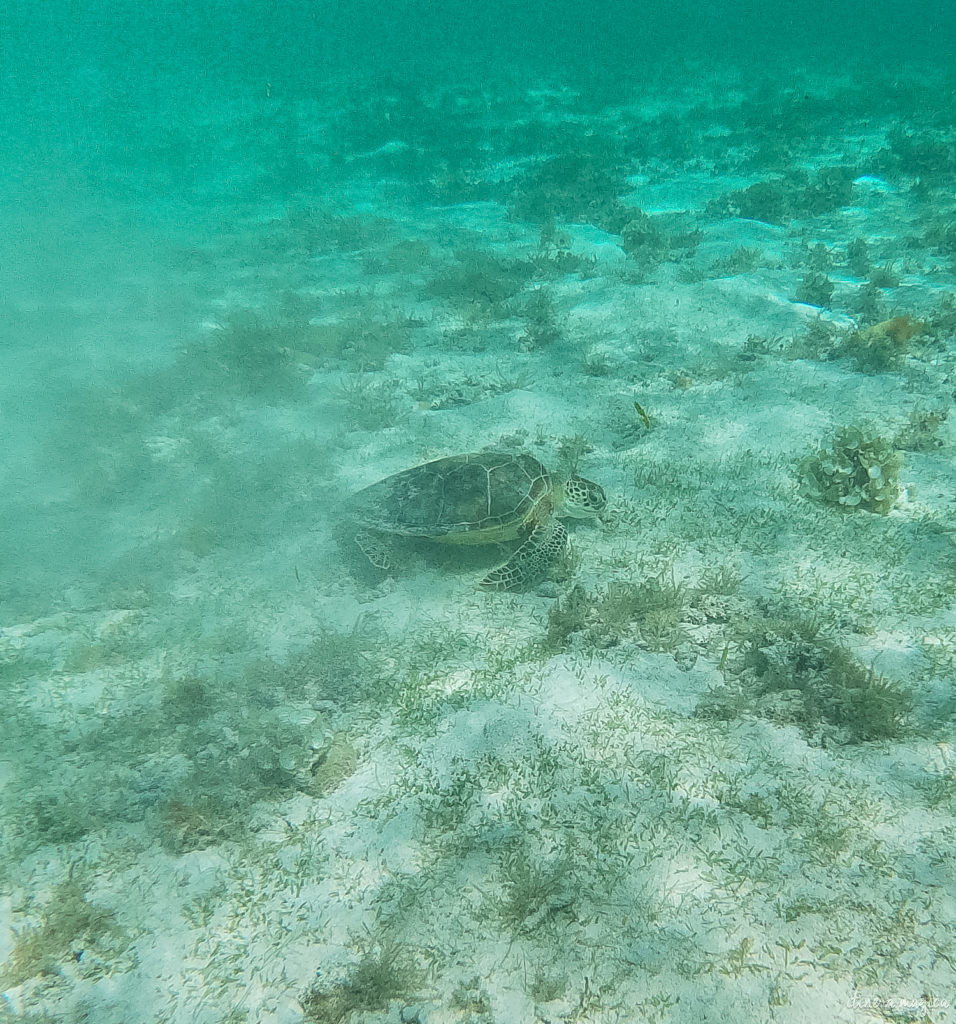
(484, 492)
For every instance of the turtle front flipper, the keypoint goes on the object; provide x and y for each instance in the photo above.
(548, 542)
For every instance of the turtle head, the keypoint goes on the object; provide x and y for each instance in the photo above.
(583, 499)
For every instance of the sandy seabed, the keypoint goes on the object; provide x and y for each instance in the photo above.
(702, 772)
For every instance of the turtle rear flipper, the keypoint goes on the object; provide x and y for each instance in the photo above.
(548, 542)
(376, 549)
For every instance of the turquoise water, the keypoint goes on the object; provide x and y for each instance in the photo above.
(697, 763)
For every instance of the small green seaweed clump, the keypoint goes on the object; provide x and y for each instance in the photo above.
(860, 471)
(642, 238)
(882, 346)
(919, 434)
(187, 825)
(541, 321)
(858, 257)
(648, 613)
(815, 289)
(649, 241)
(480, 282)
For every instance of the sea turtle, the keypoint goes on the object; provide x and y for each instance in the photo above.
(479, 498)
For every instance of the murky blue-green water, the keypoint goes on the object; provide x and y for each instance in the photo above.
(518, 755)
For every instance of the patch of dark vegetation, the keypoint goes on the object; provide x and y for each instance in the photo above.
(758, 345)
(815, 289)
(858, 257)
(193, 762)
(925, 154)
(885, 276)
(464, 183)
(541, 321)
(795, 196)
(939, 234)
(785, 671)
(383, 974)
(532, 889)
(649, 614)
(69, 928)
(367, 403)
(407, 256)
(195, 823)
(274, 355)
(481, 282)
(868, 305)
(554, 257)
(742, 260)
(65, 815)
(649, 241)
(880, 347)
(581, 187)
(921, 431)
(313, 231)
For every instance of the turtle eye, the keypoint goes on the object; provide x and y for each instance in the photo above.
(596, 498)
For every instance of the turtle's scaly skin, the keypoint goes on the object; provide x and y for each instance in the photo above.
(548, 542)
(479, 498)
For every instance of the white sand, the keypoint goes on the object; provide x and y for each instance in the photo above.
(544, 835)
